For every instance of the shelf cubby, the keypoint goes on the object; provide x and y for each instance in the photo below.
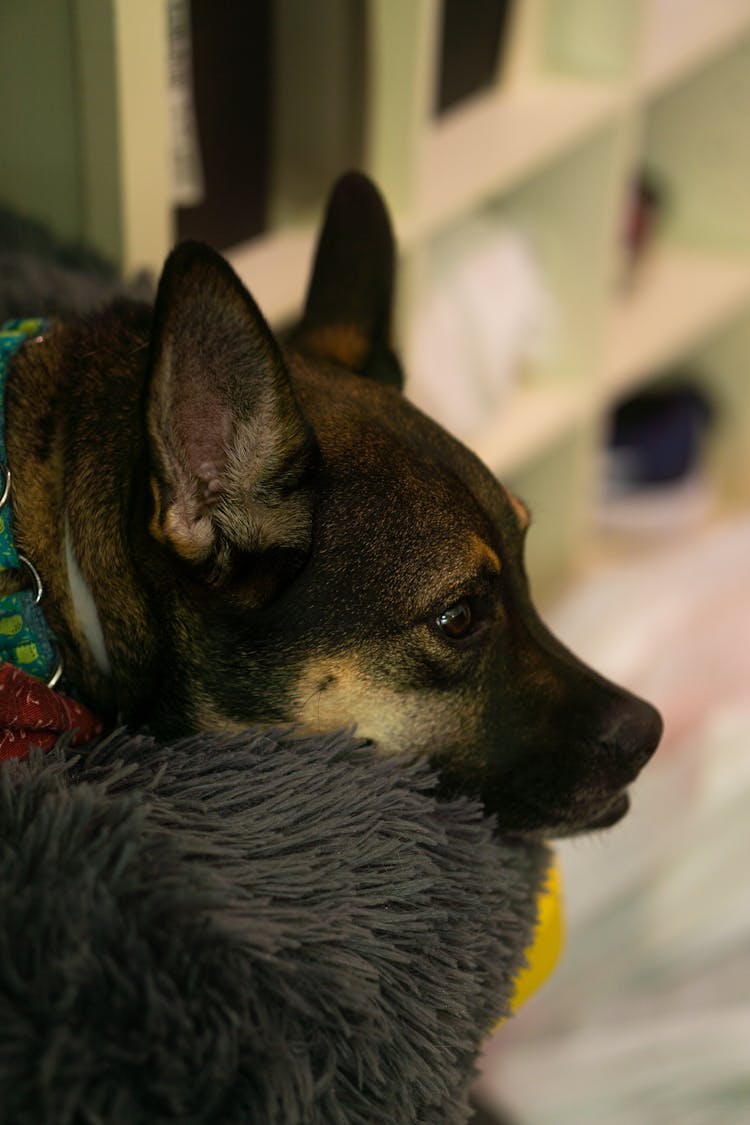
(695, 146)
(496, 141)
(681, 297)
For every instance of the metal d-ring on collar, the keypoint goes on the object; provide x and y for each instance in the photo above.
(25, 637)
(32, 597)
(6, 485)
(38, 584)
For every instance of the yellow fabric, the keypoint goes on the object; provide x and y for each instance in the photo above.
(543, 953)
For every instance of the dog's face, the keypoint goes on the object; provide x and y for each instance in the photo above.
(345, 561)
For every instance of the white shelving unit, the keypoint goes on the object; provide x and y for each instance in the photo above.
(459, 170)
(680, 36)
(532, 420)
(681, 298)
(590, 91)
(275, 266)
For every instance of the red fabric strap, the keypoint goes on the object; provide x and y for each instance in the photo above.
(32, 714)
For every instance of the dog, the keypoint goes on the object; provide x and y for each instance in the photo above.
(233, 528)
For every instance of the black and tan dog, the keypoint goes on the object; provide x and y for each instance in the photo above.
(232, 531)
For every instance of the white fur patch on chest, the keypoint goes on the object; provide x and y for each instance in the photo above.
(85, 607)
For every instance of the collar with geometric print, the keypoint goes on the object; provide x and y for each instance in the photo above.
(25, 637)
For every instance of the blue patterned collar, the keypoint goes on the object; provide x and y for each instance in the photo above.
(25, 637)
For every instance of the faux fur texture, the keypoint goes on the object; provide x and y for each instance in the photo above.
(43, 276)
(249, 929)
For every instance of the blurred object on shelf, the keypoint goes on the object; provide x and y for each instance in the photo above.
(645, 206)
(485, 314)
(56, 277)
(187, 169)
(657, 435)
(653, 468)
(472, 46)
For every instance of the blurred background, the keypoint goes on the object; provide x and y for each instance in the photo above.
(570, 183)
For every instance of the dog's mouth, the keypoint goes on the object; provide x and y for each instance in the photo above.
(607, 816)
(573, 822)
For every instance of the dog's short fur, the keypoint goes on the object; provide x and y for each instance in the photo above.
(272, 533)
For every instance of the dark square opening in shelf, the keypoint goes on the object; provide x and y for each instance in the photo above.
(472, 46)
(232, 75)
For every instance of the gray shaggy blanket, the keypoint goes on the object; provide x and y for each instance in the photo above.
(42, 276)
(254, 928)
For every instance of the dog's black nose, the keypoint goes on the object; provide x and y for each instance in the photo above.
(634, 736)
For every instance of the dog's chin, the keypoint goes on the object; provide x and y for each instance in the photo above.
(605, 817)
(558, 826)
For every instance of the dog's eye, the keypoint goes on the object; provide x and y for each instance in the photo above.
(458, 621)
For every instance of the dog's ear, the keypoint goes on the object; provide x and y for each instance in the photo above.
(347, 316)
(229, 446)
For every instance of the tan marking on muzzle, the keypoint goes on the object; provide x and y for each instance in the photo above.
(333, 693)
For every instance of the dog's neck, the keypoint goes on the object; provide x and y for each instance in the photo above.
(73, 437)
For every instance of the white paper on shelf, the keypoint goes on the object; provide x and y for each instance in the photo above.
(187, 181)
(486, 313)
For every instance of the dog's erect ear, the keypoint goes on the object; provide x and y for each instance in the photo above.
(229, 447)
(347, 316)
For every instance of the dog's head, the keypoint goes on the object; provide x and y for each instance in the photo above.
(342, 560)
